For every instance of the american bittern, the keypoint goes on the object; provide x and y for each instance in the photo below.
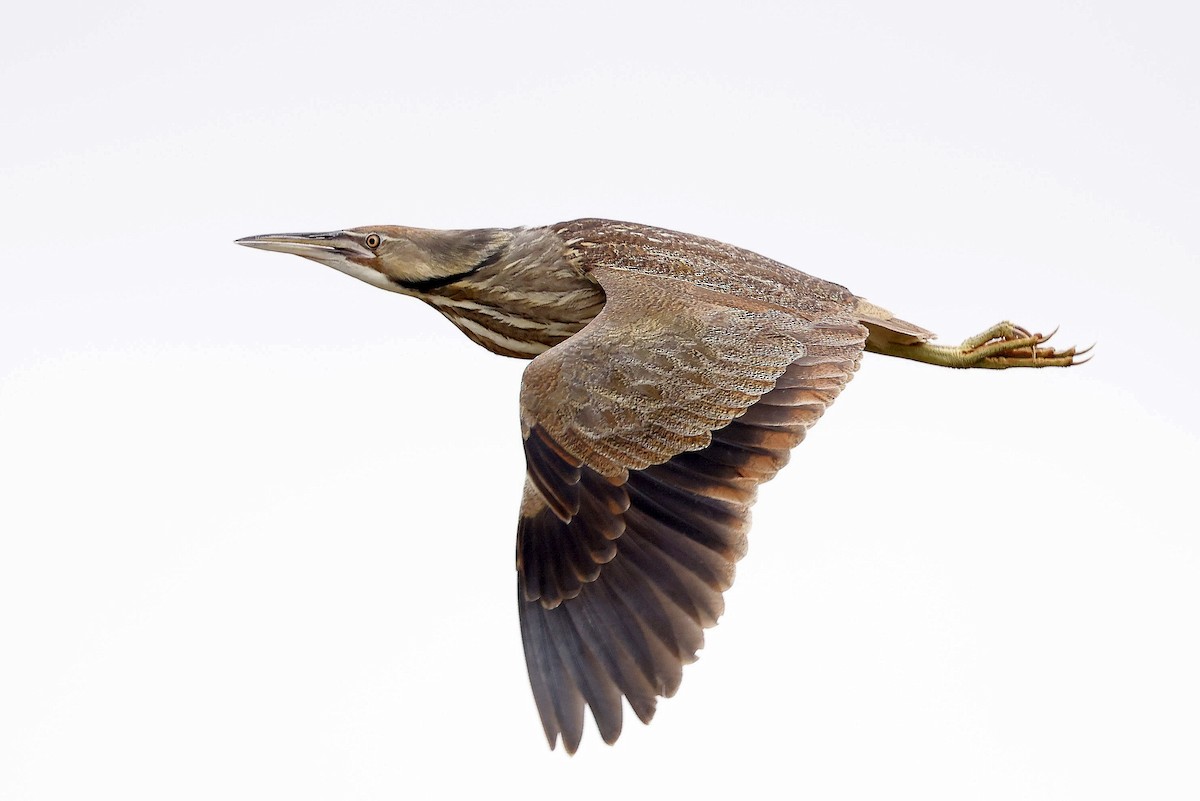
(671, 376)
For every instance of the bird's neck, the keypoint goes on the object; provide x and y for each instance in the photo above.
(521, 298)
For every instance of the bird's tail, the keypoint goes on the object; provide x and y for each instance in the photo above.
(886, 328)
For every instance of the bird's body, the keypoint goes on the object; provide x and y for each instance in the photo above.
(671, 375)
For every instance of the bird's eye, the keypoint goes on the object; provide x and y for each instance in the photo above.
(372, 241)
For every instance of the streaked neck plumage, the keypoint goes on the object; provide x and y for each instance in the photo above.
(516, 294)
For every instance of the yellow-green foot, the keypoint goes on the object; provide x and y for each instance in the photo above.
(1001, 346)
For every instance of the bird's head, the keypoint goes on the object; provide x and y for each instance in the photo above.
(408, 260)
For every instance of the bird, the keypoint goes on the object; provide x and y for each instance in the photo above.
(670, 376)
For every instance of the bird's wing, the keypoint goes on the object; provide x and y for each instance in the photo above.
(646, 436)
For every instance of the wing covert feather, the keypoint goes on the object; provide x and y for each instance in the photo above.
(664, 364)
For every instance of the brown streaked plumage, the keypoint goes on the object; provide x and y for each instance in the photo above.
(671, 376)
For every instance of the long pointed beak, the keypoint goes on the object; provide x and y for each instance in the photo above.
(311, 246)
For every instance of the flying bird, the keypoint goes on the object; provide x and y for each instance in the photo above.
(671, 375)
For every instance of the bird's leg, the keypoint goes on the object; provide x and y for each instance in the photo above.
(1003, 345)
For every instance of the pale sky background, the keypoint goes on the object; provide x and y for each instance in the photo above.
(257, 518)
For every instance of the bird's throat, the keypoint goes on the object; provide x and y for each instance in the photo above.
(428, 284)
